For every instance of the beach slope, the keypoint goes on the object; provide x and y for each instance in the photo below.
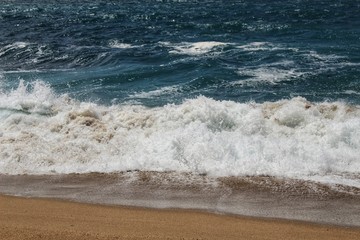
(23, 218)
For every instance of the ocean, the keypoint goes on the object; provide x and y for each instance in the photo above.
(224, 89)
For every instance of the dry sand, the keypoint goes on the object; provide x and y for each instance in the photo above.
(22, 218)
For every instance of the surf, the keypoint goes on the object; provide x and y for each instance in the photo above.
(46, 133)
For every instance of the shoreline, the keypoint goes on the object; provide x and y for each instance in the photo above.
(180, 210)
(263, 198)
(36, 218)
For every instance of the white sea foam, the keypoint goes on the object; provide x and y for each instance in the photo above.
(197, 48)
(265, 27)
(15, 45)
(36, 97)
(266, 74)
(290, 69)
(322, 57)
(44, 133)
(350, 92)
(255, 46)
(117, 44)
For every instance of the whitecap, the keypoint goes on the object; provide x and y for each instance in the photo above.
(117, 44)
(266, 74)
(351, 92)
(15, 45)
(197, 48)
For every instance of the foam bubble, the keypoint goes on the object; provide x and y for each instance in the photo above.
(289, 69)
(267, 74)
(197, 48)
(19, 45)
(290, 138)
(13, 46)
(117, 44)
(350, 92)
(264, 27)
(35, 97)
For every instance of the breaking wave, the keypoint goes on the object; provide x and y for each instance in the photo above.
(45, 133)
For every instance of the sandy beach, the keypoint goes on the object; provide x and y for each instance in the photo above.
(32, 218)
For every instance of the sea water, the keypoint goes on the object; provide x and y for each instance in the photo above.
(218, 88)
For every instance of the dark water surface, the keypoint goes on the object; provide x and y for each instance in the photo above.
(158, 52)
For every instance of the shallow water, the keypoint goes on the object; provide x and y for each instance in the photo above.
(250, 196)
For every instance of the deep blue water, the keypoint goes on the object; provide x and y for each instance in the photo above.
(159, 52)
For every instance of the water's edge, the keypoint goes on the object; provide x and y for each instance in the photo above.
(263, 197)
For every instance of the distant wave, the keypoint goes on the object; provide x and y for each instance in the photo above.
(117, 44)
(196, 48)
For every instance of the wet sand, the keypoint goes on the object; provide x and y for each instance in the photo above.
(263, 197)
(31, 218)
